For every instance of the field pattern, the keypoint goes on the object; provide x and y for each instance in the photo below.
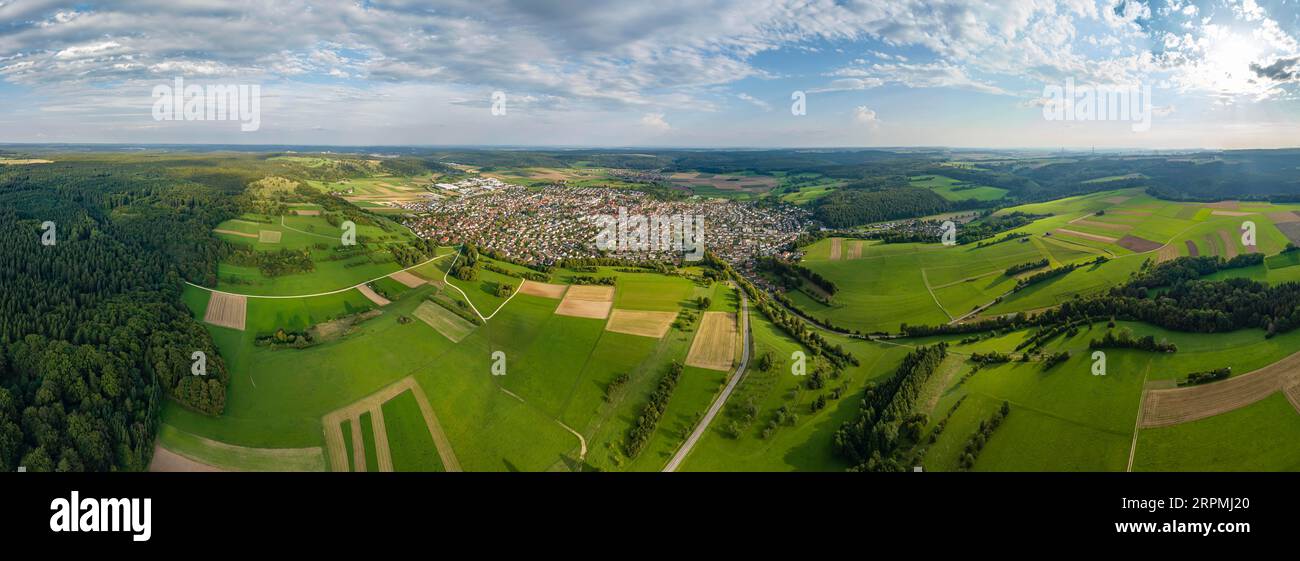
(714, 346)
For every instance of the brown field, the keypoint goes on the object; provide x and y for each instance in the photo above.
(234, 233)
(227, 310)
(587, 301)
(1171, 407)
(837, 247)
(371, 295)
(1103, 225)
(1289, 229)
(1230, 213)
(714, 346)
(1283, 217)
(1139, 245)
(24, 162)
(1086, 236)
(545, 290)
(165, 460)
(332, 422)
(1168, 252)
(643, 323)
(307, 212)
(855, 249)
(1229, 243)
(756, 183)
(269, 236)
(1192, 250)
(411, 281)
(583, 308)
(1229, 205)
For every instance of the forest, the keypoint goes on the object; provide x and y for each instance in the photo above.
(93, 334)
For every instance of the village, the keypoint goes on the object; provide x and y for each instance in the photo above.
(547, 225)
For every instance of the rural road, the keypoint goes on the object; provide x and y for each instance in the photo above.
(721, 400)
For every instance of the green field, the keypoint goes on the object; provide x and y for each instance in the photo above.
(569, 384)
(409, 440)
(955, 190)
(1258, 437)
(368, 440)
(319, 238)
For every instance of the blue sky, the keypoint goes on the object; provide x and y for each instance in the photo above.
(962, 73)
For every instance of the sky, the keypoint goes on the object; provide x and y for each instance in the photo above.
(699, 73)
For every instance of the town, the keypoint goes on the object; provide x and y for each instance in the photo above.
(548, 225)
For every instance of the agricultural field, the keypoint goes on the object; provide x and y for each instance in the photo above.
(551, 408)
(305, 254)
(397, 368)
(954, 190)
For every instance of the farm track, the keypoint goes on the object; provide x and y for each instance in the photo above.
(677, 459)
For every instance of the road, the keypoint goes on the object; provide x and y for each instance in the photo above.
(721, 400)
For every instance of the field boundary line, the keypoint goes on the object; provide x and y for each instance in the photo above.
(450, 462)
(1137, 423)
(925, 279)
(383, 454)
(968, 279)
(215, 291)
(446, 282)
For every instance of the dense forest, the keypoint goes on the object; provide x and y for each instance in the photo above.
(885, 420)
(853, 207)
(93, 334)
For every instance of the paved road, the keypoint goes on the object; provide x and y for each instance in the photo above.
(721, 400)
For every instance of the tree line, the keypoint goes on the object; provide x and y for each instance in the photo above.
(885, 419)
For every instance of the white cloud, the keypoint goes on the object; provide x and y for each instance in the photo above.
(755, 101)
(655, 121)
(864, 116)
(931, 75)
